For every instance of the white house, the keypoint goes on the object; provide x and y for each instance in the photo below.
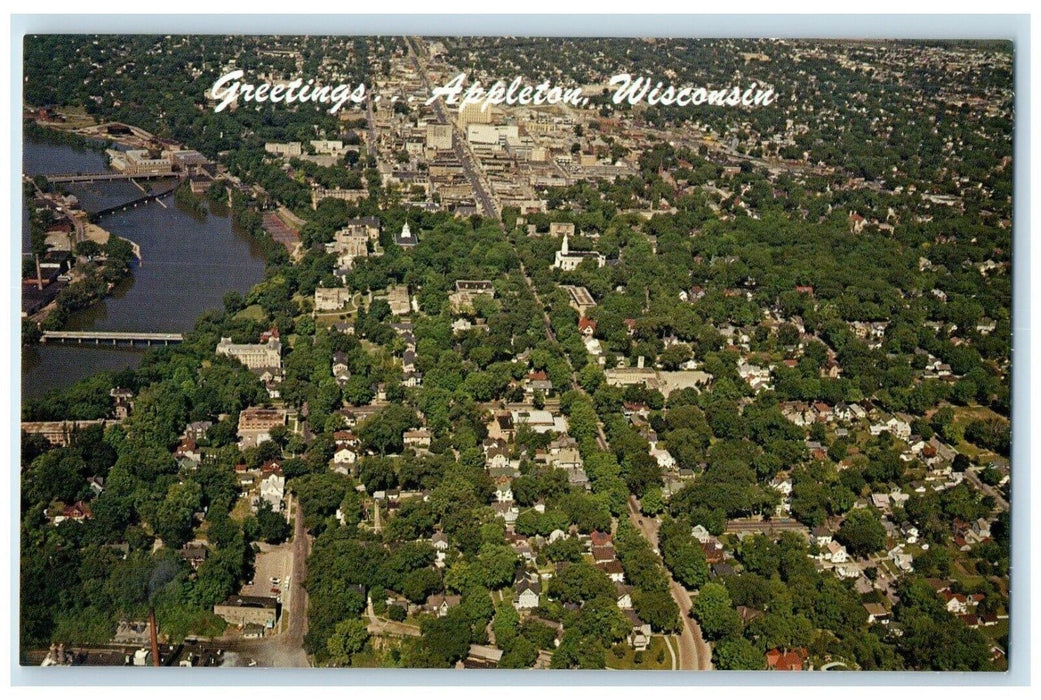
(272, 490)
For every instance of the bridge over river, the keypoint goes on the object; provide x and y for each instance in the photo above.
(66, 178)
(110, 338)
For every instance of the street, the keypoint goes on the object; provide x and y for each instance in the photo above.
(695, 653)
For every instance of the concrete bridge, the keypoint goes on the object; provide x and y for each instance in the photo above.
(147, 197)
(105, 177)
(110, 338)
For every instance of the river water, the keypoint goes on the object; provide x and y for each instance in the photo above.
(188, 264)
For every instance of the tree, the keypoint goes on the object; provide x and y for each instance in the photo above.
(862, 532)
(173, 517)
(349, 638)
(419, 584)
(738, 654)
(273, 527)
(498, 563)
(651, 504)
(715, 613)
(657, 608)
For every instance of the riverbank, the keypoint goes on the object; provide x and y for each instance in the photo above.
(192, 263)
(106, 266)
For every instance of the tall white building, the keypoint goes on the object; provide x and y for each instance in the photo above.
(567, 259)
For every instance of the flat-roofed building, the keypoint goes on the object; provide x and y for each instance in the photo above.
(256, 423)
(242, 610)
(467, 291)
(579, 298)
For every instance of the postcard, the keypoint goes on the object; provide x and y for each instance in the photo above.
(493, 352)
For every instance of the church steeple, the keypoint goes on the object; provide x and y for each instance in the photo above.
(563, 246)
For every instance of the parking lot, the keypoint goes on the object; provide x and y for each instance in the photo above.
(272, 562)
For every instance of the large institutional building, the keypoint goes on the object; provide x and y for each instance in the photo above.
(570, 259)
(266, 355)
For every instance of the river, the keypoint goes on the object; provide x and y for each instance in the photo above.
(188, 264)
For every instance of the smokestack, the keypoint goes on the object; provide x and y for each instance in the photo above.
(154, 635)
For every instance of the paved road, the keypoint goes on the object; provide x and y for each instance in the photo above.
(695, 653)
(297, 594)
(286, 649)
(487, 202)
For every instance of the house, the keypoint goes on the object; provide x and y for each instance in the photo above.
(786, 660)
(439, 542)
(526, 594)
(417, 439)
(713, 550)
(623, 596)
(340, 369)
(197, 430)
(524, 550)
(602, 553)
(821, 535)
(613, 569)
(876, 613)
(587, 327)
(344, 460)
(440, 603)
(599, 539)
(902, 559)
(97, 484)
(507, 511)
(78, 511)
(272, 490)
(195, 554)
(640, 634)
(537, 381)
(664, 459)
(748, 614)
(699, 533)
(485, 654)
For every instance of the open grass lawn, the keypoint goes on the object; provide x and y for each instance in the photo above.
(963, 415)
(649, 660)
(328, 319)
(995, 632)
(241, 511)
(254, 312)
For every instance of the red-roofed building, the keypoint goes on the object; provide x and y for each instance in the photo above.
(792, 660)
(271, 467)
(77, 511)
(586, 326)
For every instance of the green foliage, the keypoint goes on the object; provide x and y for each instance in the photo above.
(862, 532)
